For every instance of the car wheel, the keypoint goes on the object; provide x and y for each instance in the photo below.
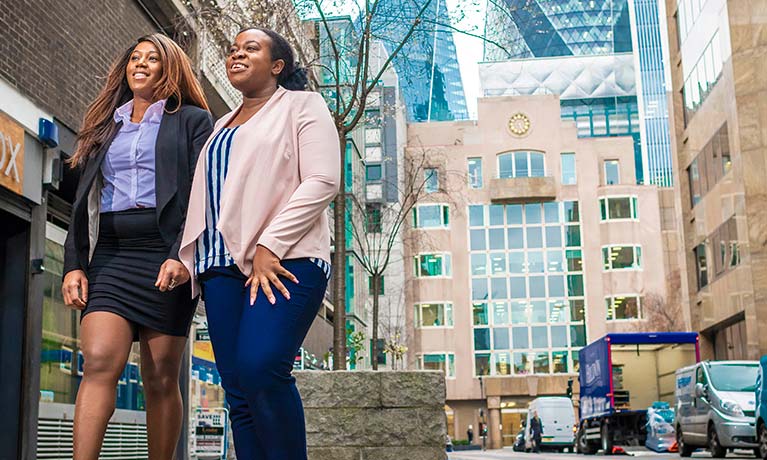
(685, 450)
(761, 452)
(714, 446)
(607, 439)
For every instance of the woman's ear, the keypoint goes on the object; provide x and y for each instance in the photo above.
(277, 67)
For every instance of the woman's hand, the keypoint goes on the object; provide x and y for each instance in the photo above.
(266, 271)
(172, 273)
(75, 289)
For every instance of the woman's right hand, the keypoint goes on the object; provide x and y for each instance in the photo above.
(75, 289)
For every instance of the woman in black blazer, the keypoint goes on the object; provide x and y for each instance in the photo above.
(137, 149)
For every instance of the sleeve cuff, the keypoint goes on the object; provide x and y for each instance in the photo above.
(278, 248)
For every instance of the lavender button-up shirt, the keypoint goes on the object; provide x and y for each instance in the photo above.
(129, 167)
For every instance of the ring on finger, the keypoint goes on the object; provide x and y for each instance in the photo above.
(172, 284)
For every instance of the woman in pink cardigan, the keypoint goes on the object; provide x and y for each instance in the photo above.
(257, 239)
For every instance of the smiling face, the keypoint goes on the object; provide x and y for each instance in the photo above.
(249, 63)
(144, 69)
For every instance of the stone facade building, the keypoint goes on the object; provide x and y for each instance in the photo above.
(535, 243)
(717, 49)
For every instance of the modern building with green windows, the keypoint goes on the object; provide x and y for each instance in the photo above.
(605, 58)
(538, 241)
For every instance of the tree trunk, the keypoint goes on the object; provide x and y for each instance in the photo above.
(339, 266)
(374, 359)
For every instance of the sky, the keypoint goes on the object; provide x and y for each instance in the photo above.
(468, 48)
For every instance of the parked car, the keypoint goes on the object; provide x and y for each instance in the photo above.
(761, 408)
(661, 434)
(715, 406)
(558, 418)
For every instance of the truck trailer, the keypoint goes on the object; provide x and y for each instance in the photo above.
(620, 376)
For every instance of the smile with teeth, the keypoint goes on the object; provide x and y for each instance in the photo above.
(140, 76)
(237, 66)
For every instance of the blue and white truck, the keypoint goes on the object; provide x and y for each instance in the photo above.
(620, 376)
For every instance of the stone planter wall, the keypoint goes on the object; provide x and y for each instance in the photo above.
(365, 415)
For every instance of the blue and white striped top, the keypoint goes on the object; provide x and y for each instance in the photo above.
(211, 250)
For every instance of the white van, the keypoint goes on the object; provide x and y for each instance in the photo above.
(557, 416)
(715, 407)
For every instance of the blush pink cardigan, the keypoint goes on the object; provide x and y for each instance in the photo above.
(284, 170)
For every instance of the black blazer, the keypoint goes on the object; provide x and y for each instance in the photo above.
(181, 137)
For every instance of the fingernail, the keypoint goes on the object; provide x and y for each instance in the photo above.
(287, 296)
(251, 301)
(271, 299)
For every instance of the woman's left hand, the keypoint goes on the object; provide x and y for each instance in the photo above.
(172, 274)
(266, 272)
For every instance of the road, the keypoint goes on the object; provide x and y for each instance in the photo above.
(508, 454)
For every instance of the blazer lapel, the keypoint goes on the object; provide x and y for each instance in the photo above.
(166, 160)
(93, 167)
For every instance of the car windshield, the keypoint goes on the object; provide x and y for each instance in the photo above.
(733, 377)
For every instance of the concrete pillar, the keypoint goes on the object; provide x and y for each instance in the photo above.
(494, 422)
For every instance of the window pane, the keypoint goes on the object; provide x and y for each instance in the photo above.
(431, 180)
(496, 236)
(431, 265)
(500, 313)
(572, 213)
(515, 238)
(559, 362)
(521, 167)
(505, 166)
(603, 208)
(519, 312)
(612, 173)
(501, 338)
(554, 262)
(574, 260)
(517, 285)
(481, 339)
(430, 216)
(532, 214)
(536, 165)
(482, 363)
(540, 336)
(622, 257)
(573, 235)
(619, 208)
(373, 172)
(578, 336)
(556, 286)
(568, 168)
(541, 363)
(626, 307)
(502, 364)
(522, 366)
(479, 288)
(575, 285)
(478, 264)
(558, 312)
(477, 240)
(479, 311)
(497, 262)
(514, 214)
(558, 336)
(535, 262)
(496, 214)
(432, 314)
(475, 172)
(551, 211)
(517, 263)
(534, 237)
(538, 311)
(476, 215)
(537, 286)
(554, 237)
(498, 288)
(519, 337)
(577, 310)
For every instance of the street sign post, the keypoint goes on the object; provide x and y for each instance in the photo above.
(210, 433)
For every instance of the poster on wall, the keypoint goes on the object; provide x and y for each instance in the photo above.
(11, 154)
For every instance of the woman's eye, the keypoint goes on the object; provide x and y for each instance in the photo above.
(153, 59)
(251, 49)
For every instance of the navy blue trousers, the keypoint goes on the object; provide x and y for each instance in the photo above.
(255, 347)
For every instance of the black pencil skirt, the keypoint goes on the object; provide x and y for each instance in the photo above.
(124, 268)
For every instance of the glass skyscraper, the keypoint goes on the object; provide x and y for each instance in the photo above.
(609, 31)
(427, 64)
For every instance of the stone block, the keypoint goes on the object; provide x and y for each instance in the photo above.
(335, 453)
(404, 453)
(339, 389)
(413, 389)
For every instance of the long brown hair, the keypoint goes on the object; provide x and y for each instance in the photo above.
(177, 84)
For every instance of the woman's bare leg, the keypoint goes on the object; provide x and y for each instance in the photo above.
(106, 340)
(160, 368)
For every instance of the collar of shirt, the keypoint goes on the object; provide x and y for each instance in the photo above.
(153, 114)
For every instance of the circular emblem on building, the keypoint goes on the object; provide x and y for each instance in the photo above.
(519, 124)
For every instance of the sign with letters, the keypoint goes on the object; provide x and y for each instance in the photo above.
(210, 433)
(11, 154)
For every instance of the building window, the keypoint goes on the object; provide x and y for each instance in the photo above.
(373, 218)
(373, 173)
(618, 208)
(444, 362)
(373, 153)
(612, 172)
(623, 307)
(701, 265)
(381, 289)
(431, 180)
(726, 247)
(428, 265)
(475, 172)
(568, 169)
(702, 77)
(434, 314)
(710, 165)
(431, 216)
(372, 135)
(622, 257)
(521, 164)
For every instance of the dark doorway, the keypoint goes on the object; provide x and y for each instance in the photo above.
(730, 342)
(14, 254)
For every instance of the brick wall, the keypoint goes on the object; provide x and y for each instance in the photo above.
(56, 52)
